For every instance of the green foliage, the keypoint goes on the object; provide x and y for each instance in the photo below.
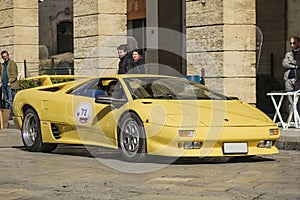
(25, 84)
(31, 83)
(60, 80)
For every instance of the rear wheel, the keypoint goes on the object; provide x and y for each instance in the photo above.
(132, 138)
(31, 133)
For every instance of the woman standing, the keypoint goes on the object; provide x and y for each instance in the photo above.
(138, 62)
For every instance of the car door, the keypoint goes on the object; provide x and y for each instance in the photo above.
(96, 123)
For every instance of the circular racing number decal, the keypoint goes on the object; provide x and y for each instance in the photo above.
(83, 113)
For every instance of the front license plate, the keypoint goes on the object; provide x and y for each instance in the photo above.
(235, 148)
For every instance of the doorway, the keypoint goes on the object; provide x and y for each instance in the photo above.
(65, 37)
(165, 47)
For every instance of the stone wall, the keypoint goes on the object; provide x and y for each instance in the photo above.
(221, 38)
(293, 17)
(99, 27)
(19, 32)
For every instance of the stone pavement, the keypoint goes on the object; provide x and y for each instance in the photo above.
(289, 139)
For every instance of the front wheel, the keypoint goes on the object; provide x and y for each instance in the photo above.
(132, 138)
(31, 133)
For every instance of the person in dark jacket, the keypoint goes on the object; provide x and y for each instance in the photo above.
(125, 63)
(138, 62)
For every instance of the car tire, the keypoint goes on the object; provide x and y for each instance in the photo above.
(132, 138)
(31, 133)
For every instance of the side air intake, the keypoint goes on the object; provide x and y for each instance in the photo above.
(55, 131)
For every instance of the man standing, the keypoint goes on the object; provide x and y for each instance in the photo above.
(291, 62)
(9, 75)
(125, 63)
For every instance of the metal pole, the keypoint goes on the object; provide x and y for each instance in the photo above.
(25, 69)
(272, 64)
(52, 66)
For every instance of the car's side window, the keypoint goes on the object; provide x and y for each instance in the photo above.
(101, 87)
(113, 88)
(118, 92)
(90, 89)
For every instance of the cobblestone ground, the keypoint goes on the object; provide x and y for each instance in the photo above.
(71, 172)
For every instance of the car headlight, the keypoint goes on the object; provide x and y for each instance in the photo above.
(274, 131)
(186, 133)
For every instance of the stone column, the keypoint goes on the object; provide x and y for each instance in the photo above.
(221, 38)
(19, 33)
(99, 27)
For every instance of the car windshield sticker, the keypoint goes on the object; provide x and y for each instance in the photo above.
(83, 113)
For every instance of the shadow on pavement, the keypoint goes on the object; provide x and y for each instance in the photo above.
(107, 153)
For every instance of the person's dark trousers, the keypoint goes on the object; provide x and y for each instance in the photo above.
(8, 95)
(1, 100)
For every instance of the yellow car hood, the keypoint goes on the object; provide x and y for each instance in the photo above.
(186, 113)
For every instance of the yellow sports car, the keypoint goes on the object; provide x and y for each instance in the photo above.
(141, 115)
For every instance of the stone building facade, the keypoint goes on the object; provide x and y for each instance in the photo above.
(221, 36)
(19, 32)
(225, 36)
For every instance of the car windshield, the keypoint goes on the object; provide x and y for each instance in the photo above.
(169, 88)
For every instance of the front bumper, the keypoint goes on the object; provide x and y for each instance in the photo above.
(167, 142)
